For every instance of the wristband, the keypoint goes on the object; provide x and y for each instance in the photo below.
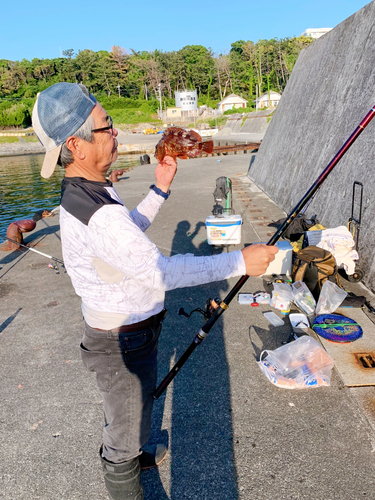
(160, 192)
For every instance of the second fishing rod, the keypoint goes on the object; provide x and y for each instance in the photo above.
(203, 332)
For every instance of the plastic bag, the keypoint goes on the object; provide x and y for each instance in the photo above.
(300, 364)
(330, 298)
(303, 298)
(282, 296)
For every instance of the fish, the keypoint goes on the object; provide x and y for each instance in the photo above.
(179, 143)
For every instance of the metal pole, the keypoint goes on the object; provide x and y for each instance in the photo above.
(201, 335)
(161, 108)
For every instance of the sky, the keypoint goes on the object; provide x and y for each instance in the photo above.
(45, 28)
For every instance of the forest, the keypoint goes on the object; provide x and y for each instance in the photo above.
(129, 81)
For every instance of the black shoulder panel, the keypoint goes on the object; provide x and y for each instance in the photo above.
(82, 198)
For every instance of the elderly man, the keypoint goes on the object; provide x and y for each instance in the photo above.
(120, 274)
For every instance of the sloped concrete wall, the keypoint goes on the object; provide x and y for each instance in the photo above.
(252, 123)
(331, 89)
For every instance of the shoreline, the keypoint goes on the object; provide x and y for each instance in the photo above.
(127, 144)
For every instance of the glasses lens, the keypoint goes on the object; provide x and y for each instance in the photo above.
(110, 122)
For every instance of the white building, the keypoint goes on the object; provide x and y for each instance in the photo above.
(230, 102)
(264, 102)
(316, 32)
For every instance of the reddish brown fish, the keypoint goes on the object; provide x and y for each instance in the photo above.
(178, 143)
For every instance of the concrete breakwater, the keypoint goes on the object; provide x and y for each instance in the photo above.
(330, 91)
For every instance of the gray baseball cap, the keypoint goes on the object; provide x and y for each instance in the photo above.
(58, 113)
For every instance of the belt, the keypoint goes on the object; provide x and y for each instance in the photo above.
(146, 323)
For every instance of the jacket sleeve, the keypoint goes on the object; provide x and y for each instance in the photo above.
(147, 210)
(117, 240)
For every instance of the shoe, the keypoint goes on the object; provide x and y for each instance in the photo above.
(152, 455)
(123, 481)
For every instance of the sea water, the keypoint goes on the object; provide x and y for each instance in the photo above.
(23, 191)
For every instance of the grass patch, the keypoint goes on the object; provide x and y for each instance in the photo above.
(218, 122)
(132, 116)
(8, 140)
(30, 138)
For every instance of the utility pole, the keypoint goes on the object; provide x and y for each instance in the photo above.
(118, 86)
(161, 107)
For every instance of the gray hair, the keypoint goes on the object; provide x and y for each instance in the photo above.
(84, 132)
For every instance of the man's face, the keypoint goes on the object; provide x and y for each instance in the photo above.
(103, 151)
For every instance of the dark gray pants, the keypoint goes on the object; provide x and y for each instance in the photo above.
(126, 371)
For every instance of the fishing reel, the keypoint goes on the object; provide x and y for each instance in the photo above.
(55, 267)
(210, 307)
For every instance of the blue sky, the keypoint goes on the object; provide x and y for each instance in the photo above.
(45, 28)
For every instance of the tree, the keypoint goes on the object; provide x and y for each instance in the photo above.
(222, 65)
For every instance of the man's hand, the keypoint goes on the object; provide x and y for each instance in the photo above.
(165, 172)
(258, 257)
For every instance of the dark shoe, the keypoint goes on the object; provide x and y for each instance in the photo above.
(123, 481)
(152, 455)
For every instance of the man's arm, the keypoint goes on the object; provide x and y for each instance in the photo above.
(118, 242)
(147, 210)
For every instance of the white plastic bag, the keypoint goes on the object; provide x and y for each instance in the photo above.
(300, 364)
(330, 298)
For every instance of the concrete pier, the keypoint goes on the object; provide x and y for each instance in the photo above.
(231, 434)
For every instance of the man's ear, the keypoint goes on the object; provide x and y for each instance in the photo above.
(74, 144)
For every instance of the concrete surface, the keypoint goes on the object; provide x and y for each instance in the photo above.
(231, 434)
(137, 143)
(330, 91)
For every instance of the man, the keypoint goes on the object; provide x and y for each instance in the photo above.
(120, 274)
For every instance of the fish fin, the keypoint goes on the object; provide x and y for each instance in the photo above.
(194, 136)
(208, 146)
(173, 131)
(183, 156)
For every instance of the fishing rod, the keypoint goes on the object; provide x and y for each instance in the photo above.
(202, 334)
(36, 251)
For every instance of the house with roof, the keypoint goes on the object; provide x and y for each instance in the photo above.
(316, 32)
(230, 102)
(264, 100)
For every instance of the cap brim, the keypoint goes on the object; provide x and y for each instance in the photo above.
(50, 161)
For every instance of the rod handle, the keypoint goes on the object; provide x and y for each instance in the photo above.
(171, 375)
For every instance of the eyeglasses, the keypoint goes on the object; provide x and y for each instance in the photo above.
(110, 126)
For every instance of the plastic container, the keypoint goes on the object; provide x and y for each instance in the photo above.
(245, 298)
(249, 298)
(283, 260)
(299, 322)
(224, 230)
(273, 318)
(263, 298)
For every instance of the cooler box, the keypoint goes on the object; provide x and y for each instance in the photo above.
(224, 230)
(283, 260)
